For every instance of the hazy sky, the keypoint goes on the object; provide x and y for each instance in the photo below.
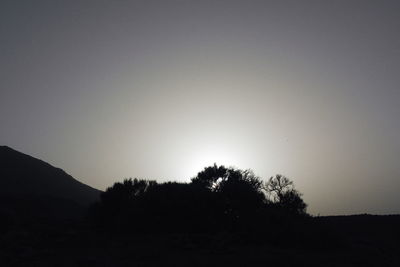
(160, 89)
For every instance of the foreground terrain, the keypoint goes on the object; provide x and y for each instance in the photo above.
(362, 240)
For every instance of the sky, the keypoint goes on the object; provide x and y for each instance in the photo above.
(108, 90)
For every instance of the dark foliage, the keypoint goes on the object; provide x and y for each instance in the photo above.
(281, 192)
(218, 199)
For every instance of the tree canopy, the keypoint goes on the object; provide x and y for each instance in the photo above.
(217, 199)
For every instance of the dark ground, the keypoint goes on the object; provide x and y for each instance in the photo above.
(362, 240)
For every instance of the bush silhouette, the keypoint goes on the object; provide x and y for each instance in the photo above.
(210, 176)
(281, 192)
(217, 199)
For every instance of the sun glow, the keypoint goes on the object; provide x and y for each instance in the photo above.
(210, 154)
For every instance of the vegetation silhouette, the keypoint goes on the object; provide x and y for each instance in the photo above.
(218, 199)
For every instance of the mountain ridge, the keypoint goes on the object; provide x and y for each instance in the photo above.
(22, 175)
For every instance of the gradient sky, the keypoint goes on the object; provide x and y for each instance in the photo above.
(160, 89)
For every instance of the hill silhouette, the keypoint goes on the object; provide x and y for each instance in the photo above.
(26, 181)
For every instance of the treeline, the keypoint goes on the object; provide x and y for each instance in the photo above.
(218, 199)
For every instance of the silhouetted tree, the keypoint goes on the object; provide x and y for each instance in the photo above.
(120, 201)
(217, 199)
(126, 191)
(238, 195)
(292, 202)
(280, 191)
(210, 176)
